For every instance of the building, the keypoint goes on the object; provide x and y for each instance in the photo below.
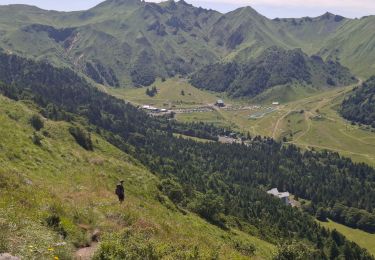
(275, 103)
(150, 108)
(284, 196)
(220, 103)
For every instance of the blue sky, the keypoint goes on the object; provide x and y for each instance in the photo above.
(269, 8)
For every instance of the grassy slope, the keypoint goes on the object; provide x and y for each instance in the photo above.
(60, 177)
(169, 93)
(364, 239)
(115, 34)
(354, 45)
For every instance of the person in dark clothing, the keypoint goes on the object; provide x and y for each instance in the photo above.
(120, 191)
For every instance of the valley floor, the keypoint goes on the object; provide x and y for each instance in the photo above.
(305, 118)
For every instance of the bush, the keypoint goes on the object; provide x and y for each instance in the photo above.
(36, 122)
(296, 251)
(126, 246)
(3, 236)
(321, 214)
(151, 92)
(246, 248)
(53, 221)
(37, 139)
(208, 206)
(82, 137)
(172, 189)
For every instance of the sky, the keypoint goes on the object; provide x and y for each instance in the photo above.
(269, 8)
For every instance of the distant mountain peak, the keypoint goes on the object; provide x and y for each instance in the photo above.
(331, 16)
(116, 3)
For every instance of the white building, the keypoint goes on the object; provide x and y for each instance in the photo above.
(284, 196)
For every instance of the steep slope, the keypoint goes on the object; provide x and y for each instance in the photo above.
(360, 105)
(224, 184)
(275, 66)
(130, 42)
(119, 42)
(308, 33)
(353, 45)
(55, 194)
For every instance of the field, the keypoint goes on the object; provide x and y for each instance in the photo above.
(309, 122)
(173, 93)
(60, 179)
(362, 238)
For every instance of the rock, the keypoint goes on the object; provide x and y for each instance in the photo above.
(7, 256)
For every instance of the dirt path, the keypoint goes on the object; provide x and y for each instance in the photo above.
(86, 253)
(312, 112)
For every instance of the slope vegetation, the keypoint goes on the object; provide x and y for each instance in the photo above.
(360, 105)
(131, 42)
(55, 194)
(275, 66)
(228, 192)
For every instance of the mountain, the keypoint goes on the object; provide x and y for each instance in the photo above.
(67, 143)
(274, 67)
(360, 105)
(132, 42)
(59, 195)
(117, 42)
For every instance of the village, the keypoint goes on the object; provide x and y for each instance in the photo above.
(259, 110)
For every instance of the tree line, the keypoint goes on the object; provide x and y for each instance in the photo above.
(223, 183)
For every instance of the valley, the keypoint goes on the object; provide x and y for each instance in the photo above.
(310, 121)
(162, 130)
(59, 178)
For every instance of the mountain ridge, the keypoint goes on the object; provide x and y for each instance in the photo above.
(131, 42)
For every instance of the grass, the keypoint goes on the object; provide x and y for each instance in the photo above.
(319, 126)
(170, 95)
(362, 238)
(59, 178)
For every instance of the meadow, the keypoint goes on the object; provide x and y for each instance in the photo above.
(362, 238)
(306, 118)
(57, 189)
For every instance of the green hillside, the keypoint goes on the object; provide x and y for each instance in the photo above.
(224, 184)
(274, 67)
(58, 178)
(360, 105)
(131, 42)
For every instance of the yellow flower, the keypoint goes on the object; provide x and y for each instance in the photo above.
(51, 249)
(56, 258)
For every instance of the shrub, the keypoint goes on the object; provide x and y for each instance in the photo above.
(246, 248)
(82, 137)
(53, 221)
(173, 190)
(151, 92)
(3, 236)
(37, 139)
(208, 206)
(296, 251)
(127, 246)
(36, 122)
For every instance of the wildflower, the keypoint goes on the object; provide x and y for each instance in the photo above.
(51, 249)
(56, 258)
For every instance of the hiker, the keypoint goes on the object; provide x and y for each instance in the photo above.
(120, 191)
